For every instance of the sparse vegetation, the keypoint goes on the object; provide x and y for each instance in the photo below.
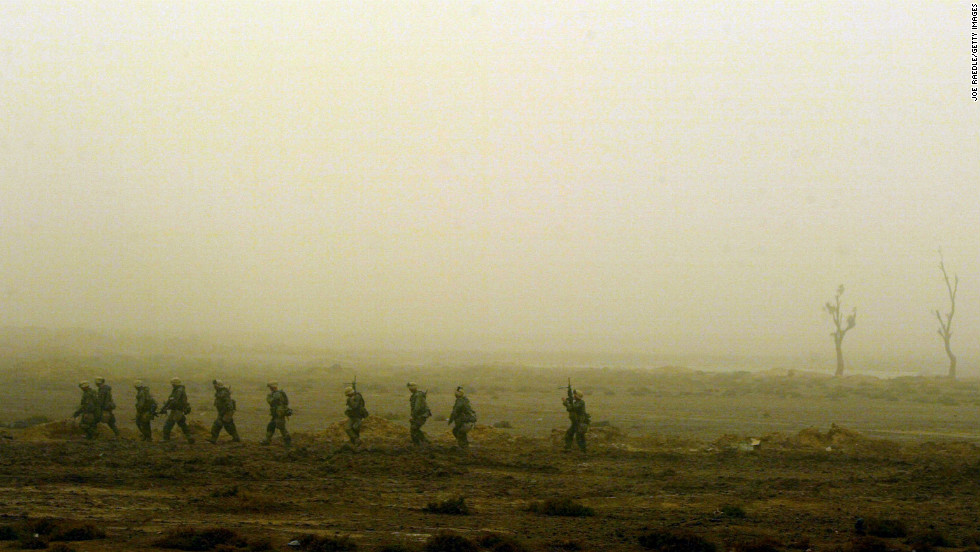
(885, 528)
(188, 538)
(675, 541)
(453, 506)
(732, 511)
(448, 542)
(319, 543)
(560, 507)
(495, 542)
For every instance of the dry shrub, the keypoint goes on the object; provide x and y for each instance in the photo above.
(454, 506)
(8, 533)
(884, 528)
(447, 542)
(500, 543)
(76, 531)
(186, 538)
(869, 544)
(733, 511)
(675, 541)
(31, 542)
(560, 507)
(61, 547)
(928, 540)
(317, 543)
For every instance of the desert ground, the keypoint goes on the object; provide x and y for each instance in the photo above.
(678, 459)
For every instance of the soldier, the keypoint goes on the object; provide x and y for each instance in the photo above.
(225, 406)
(146, 410)
(464, 417)
(88, 410)
(179, 408)
(279, 410)
(419, 414)
(106, 405)
(580, 420)
(355, 413)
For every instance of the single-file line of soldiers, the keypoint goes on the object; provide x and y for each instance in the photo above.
(97, 407)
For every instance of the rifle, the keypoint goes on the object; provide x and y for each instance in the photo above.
(353, 384)
(568, 388)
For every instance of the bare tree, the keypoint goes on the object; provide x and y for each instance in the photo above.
(945, 330)
(840, 331)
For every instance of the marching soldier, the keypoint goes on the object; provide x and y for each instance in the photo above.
(106, 405)
(464, 417)
(179, 408)
(355, 413)
(419, 414)
(579, 418)
(88, 410)
(279, 410)
(146, 410)
(225, 406)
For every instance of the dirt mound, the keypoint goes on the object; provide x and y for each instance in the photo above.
(836, 438)
(65, 429)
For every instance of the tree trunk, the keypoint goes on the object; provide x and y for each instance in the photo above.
(952, 360)
(840, 359)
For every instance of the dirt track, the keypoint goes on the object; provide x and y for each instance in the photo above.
(792, 489)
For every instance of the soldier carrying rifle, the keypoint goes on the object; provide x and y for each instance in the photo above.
(355, 413)
(579, 417)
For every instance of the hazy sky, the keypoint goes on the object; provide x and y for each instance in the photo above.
(652, 177)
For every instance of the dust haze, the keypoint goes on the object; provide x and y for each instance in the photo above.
(658, 180)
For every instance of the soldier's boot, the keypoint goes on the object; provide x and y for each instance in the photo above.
(215, 431)
(351, 436)
(233, 431)
(287, 439)
(187, 433)
(268, 438)
(115, 430)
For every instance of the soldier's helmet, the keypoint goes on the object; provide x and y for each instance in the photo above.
(578, 394)
(412, 385)
(138, 383)
(175, 381)
(83, 384)
(348, 390)
(217, 383)
(99, 380)
(460, 392)
(273, 384)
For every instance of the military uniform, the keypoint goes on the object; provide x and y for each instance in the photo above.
(279, 410)
(580, 421)
(225, 406)
(464, 417)
(179, 408)
(106, 405)
(355, 413)
(419, 414)
(146, 410)
(88, 411)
